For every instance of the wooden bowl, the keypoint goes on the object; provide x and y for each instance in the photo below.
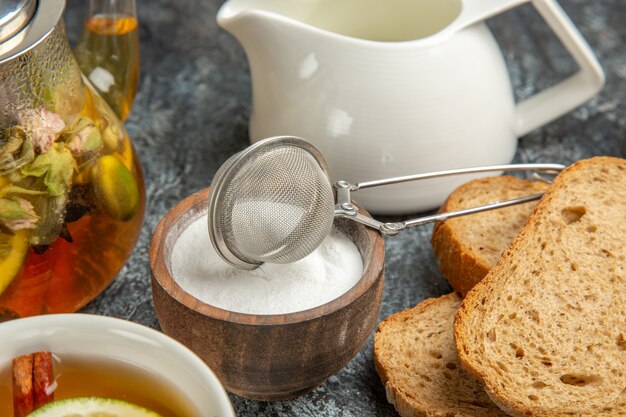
(267, 357)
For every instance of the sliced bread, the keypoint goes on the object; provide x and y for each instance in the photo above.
(416, 360)
(468, 247)
(545, 330)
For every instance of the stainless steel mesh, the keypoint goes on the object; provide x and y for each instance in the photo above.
(277, 207)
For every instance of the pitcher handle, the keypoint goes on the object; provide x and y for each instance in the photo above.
(568, 94)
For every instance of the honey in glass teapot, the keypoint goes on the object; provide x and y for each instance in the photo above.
(71, 187)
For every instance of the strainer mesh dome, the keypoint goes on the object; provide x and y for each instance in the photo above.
(278, 207)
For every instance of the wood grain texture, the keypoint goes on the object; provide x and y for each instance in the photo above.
(267, 357)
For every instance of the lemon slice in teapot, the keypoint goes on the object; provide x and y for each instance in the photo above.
(13, 250)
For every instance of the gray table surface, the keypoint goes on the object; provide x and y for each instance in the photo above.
(191, 113)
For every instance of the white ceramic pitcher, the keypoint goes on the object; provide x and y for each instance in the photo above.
(386, 88)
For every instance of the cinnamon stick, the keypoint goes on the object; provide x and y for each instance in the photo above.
(23, 401)
(33, 382)
(43, 379)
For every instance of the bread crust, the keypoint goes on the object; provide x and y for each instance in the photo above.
(427, 328)
(461, 268)
(404, 405)
(468, 317)
(459, 262)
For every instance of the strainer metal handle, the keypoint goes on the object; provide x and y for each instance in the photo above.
(344, 207)
(274, 202)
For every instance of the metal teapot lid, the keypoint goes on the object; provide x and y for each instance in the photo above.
(14, 15)
(25, 23)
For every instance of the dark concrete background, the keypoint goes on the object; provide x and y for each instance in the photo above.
(191, 114)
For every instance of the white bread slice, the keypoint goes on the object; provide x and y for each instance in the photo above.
(468, 247)
(545, 330)
(416, 360)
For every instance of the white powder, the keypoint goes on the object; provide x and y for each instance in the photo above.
(328, 272)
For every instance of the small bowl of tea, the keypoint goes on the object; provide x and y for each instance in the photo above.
(78, 364)
(274, 332)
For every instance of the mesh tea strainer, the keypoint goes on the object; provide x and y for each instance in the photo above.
(274, 202)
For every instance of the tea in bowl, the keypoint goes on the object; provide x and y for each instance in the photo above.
(257, 350)
(111, 361)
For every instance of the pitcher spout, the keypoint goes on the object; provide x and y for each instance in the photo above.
(258, 23)
(233, 11)
(230, 11)
(242, 17)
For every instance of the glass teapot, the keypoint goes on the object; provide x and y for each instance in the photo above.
(71, 188)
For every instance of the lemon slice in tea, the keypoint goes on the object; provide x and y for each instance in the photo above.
(13, 250)
(92, 407)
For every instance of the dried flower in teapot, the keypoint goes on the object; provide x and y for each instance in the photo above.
(16, 214)
(84, 138)
(56, 166)
(112, 135)
(16, 149)
(43, 126)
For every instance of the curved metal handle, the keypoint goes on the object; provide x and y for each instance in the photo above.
(344, 207)
(547, 168)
